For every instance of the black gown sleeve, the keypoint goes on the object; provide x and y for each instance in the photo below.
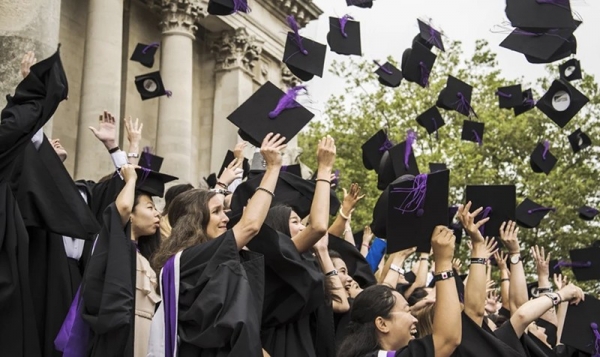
(477, 342)
(506, 333)
(422, 347)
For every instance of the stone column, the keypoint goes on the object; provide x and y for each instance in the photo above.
(174, 139)
(101, 84)
(31, 25)
(236, 53)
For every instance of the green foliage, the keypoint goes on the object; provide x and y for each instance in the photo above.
(365, 107)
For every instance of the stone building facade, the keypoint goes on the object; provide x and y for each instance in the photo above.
(212, 64)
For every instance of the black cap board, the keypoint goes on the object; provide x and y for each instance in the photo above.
(528, 103)
(510, 96)
(588, 213)
(292, 169)
(581, 325)
(150, 161)
(417, 64)
(152, 182)
(579, 140)
(431, 120)
(562, 102)
(530, 214)
(398, 161)
(374, 148)
(229, 157)
(365, 4)
(585, 263)
(344, 36)
(568, 48)
(498, 202)
(259, 114)
(144, 54)
(305, 58)
(538, 14)
(541, 159)
(456, 96)
(570, 70)
(430, 35)
(546, 47)
(151, 86)
(472, 131)
(227, 7)
(389, 75)
(435, 167)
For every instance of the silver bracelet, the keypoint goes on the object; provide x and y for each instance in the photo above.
(133, 155)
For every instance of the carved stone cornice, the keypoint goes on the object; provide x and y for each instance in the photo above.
(303, 10)
(180, 16)
(236, 49)
(288, 78)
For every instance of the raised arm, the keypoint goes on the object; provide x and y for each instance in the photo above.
(421, 274)
(561, 309)
(504, 279)
(333, 283)
(134, 136)
(256, 211)
(319, 209)
(518, 285)
(542, 263)
(348, 204)
(126, 197)
(395, 268)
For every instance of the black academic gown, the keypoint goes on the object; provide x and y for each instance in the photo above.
(294, 291)
(220, 299)
(477, 342)
(35, 101)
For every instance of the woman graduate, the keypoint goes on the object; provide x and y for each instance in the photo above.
(212, 289)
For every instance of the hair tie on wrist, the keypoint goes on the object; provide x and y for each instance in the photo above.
(343, 215)
(323, 180)
(265, 190)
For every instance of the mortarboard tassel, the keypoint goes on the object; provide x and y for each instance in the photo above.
(464, 107)
(145, 173)
(502, 94)
(240, 5)
(563, 263)
(434, 37)
(437, 136)
(153, 44)
(477, 138)
(288, 101)
(336, 179)
(297, 38)
(546, 149)
(343, 20)
(411, 136)
(415, 199)
(387, 144)
(424, 74)
(168, 93)
(594, 327)
(148, 151)
(541, 209)
(484, 214)
(382, 67)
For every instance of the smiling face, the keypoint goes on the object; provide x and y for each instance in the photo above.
(217, 223)
(296, 225)
(396, 330)
(59, 149)
(145, 218)
(340, 266)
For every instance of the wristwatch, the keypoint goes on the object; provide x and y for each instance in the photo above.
(515, 259)
(332, 273)
(397, 269)
(554, 297)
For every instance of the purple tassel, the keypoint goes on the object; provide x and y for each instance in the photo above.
(343, 20)
(297, 38)
(387, 144)
(594, 327)
(464, 107)
(240, 5)
(153, 44)
(437, 136)
(563, 263)
(484, 214)
(411, 136)
(424, 74)
(592, 210)
(336, 178)
(541, 209)
(145, 174)
(168, 93)
(383, 68)
(288, 101)
(504, 95)
(477, 138)
(415, 199)
(546, 149)
(148, 151)
(434, 37)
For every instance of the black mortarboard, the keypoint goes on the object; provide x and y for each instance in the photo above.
(379, 222)
(578, 331)
(456, 96)
(229, 159)
(365, 4)
(253, 117)
(498, 202)
(431, 119)
(456, 227)
(389, 75)
(144, 54)
(554, 267)
(150, 161)
(527, 103)
(510, 96)
(545, 47)
(430, 36)
(150, 86)
(417, 64)
(568, 48)
(530, 214)
(541, 159)
(585, 263)
(537, 14)
(588, 213)
(226, 7)
(473, 131)
(211, 180)
(579, 140)
(435, 167)
(570, 70)
(152, 182)
(415, 208)
(562, 102)
(291, 190)
(395, 163)
(358, 238)
(305, 58)
(344, 36)
(373, 149)
(292, 169)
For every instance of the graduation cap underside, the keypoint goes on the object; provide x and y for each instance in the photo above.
(150, 86)
(344, 36)
(562, 102)
(144, 54)
(305, 58)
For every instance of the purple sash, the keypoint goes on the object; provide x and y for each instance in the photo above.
(74, 335)
(170, 307)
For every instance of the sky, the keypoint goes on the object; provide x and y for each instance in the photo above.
(389, 27)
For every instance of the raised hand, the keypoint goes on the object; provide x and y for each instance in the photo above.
(442, 243)
(322, 244)
(326, 152)
(26, 63)
(238, 151)
(501, 260)
(232, 172)
(560, 281)
(134, 130)
(128, 172)
(571, 293)
(508, 234)
(271, 148)
(542, 264)
(491, 303)
(468, 221)
(488, 248)
(351, 198)
(457, 265)
(106, 131)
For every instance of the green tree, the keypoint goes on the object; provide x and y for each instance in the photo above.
(365, 107)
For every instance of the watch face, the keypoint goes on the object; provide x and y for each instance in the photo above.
(515, 259)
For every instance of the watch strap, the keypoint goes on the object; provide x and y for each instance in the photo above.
(397, 269)
(479, 261)
(332, 273)
(444, 275)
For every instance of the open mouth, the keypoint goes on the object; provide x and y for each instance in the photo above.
(413, 332)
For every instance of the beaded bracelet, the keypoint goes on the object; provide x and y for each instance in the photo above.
(265, 190)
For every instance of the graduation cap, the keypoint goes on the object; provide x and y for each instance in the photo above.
(415, 207)
(472, 131)
(562, 102)
(211, 180)
(581, 326)
(498, 202)
(389, 75)
(229, 157)
(304, 58)
(417, 63)
(530, 214)
(227, 7)
(150, 161)
(373, 149)
(579, 140)
(527, 103)
(588, 213)
(532, 290)
(435, 167)
(554, 267)
(398, 161)
(456, 227)
(538, 15)
(144, 54)
(151, 86)
(365, 4)
(568, 48)
(270, 110)
(344, 36)
(291, 190)
(585, 263)
(456, 96)
(510, 96)
(431, 120)
(429, 36)
(542, 47)
(379, 222)
(570, 70)
(541, 159)
(152, 182)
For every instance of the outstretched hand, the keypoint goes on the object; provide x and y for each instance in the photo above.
(508, 234)
(467, 219)
(134, 130)
(351, 198)
(26, 63)
(106, 131)
(271, 148)
(326, 152)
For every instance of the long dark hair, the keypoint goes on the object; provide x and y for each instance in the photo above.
(173, 192)
(189, 216)
(278, 218)
(148, 245)
(374, 301)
